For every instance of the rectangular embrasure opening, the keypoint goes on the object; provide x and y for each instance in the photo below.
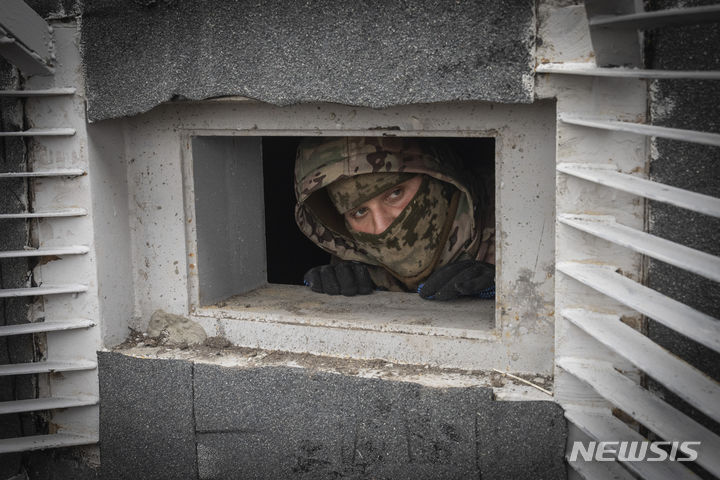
(252, 256)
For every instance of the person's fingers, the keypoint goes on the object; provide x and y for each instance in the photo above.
(330, 283)
(346, 279)
(441, 279)
(364, 282)
(475, 279)
(447, 292)
(313, 280)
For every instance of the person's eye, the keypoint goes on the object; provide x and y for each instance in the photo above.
(359, 213)
(395, 194)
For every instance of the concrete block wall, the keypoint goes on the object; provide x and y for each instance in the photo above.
(182, 419)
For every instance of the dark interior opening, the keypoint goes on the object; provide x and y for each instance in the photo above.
(290, 253)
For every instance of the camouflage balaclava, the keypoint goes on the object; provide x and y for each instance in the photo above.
(409, 247)
(350, 192)
(325, 161)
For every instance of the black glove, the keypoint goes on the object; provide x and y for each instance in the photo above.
(346, 278)
(468, 277)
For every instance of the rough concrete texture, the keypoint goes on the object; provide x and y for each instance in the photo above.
(369, 53)
(687, 104)
(179, 329)
(146, 418)
(285, 422)
(521, 440)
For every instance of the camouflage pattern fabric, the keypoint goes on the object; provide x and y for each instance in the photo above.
(410, 246)
(348, 193)
(324, 161)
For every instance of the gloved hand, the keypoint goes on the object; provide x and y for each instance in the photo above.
(467, 277)
(346, 278)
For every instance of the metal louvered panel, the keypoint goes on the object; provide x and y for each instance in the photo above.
(45, 367)
(659, 18)
(41, 442)
(645, 407)
(65, 172)
(607, 228)
(589, 69)
(603, 427)
(41, 132)
(46, 92)
(607, 175)
(43, 252)
(647, 130)
(590, 469)
(673, 314)
(613, 46)
(58, 193)
(40, 327)
(44, 290)
(37, 404)
(602, 244)
(684, 380)
(65, 212)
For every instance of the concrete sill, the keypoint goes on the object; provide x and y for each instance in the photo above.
(404, 313)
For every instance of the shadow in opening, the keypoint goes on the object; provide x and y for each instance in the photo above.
(290, 253)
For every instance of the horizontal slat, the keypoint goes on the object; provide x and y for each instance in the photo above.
(44, 290)
(38, 404)
(41, 132)
(43, 252)
(676, 375)
(591, 70)
(65, 212)
(646, 408)
(673, 314)
(45, 367)
(660, 18)
(41, 442)
(593, 470)
(609, 176)
(39, 327)
(603, 427)
(648, 130)
(673, 253)
(62, 172)
(48, 92)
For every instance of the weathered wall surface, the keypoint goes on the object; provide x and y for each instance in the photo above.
(366, 53)
(688, 104)
(14, 235)
(180, 419)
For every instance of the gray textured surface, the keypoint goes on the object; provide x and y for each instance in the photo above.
(518, 440)
(146, 418)
(690, 105)
(228, 189)
(283, 422)
(370, 53)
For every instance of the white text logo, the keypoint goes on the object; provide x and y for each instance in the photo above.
(635, 451)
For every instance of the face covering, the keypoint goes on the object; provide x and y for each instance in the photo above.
(348, 193)
(411, 246)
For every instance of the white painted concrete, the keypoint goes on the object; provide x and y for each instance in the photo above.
(162, 222)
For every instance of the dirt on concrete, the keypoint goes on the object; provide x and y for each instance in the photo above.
(219, 350)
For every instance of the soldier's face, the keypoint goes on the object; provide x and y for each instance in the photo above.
(375, 215)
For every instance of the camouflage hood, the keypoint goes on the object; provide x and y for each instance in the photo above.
(322, 161)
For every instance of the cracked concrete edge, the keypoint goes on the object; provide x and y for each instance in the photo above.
(503, 388)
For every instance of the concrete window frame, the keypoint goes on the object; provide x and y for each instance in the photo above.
(521, 338)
